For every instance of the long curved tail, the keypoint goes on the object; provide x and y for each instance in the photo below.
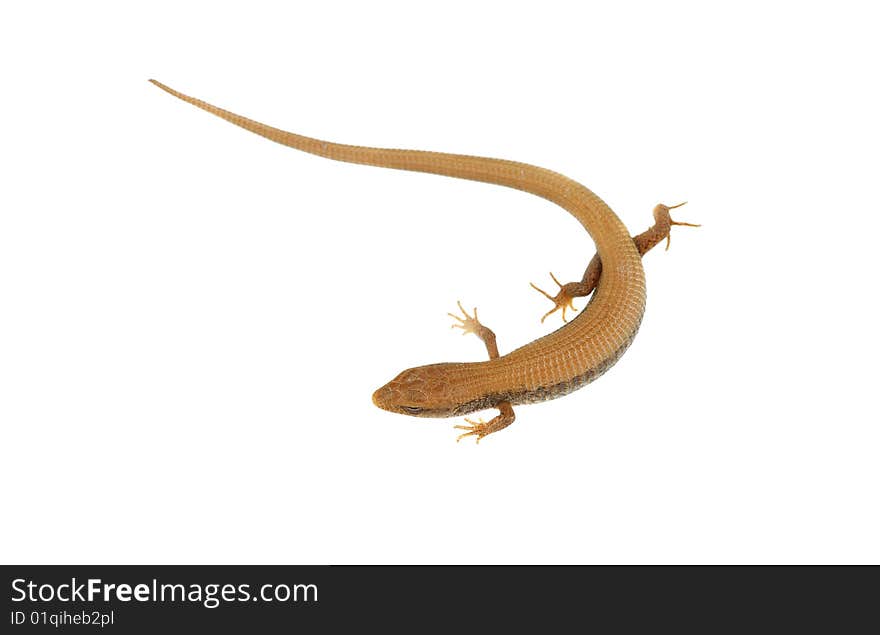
(539, 181)
(499, 171)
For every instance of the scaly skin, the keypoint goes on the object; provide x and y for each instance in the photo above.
(549, 367)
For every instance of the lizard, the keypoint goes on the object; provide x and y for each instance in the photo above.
(549, 367)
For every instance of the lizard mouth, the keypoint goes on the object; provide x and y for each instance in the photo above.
(388, 398)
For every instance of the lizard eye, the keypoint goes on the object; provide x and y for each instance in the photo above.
(412, 410)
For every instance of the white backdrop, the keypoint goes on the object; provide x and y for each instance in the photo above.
(193, 319)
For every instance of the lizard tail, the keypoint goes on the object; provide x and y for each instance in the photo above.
(522, 176)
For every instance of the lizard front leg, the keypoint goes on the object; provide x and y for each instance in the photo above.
(506, 416)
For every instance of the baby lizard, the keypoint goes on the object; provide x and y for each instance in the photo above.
(551, 366)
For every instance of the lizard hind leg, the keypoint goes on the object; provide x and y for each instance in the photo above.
(644, 242)
(564, 299)
(662, 228)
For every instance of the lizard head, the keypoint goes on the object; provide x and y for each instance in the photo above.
(425, 391)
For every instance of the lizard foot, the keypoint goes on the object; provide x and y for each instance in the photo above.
(468, 323)
(672, 222)
(563, 300)
(480, 428)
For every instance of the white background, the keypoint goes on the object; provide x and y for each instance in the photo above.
(193, 319)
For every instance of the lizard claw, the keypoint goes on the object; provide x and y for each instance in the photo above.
(480, 428)
(672, 222)
(563, 300)
(471, 324)
(468, 323)
(477, 428)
